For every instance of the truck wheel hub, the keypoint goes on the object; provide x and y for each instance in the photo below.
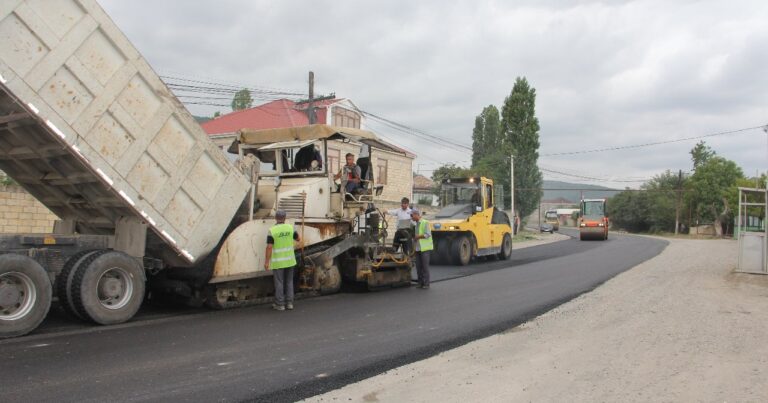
(10, 295)
(17, 295)
(115, 288)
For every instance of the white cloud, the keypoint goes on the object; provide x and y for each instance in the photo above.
(607, 73)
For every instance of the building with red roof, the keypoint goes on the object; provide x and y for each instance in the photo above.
(391, 169)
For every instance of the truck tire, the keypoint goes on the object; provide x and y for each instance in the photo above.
(506, 248)
(25, 295)
(64, 282)
(439, 253)
(108, 287)
(461, 251)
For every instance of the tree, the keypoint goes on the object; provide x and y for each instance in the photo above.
(650, 210)
(485, 135)
(242, 100)
(495, 165)
(701, 153)
(478, 141)
(713, 191)
(662, 192)
(520, 137)
(448, 171)
(216, 114)
(629, 211)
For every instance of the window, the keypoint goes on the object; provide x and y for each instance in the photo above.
(345, 118)
(334, 158)
(381, 171)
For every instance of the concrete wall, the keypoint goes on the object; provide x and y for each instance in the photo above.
(20, 212)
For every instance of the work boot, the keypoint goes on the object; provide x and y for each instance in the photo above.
(278, 307)
(289, 306)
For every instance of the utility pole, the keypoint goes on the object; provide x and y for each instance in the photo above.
(512, 189)
(677, 205)
(310, 109)
(765, 129)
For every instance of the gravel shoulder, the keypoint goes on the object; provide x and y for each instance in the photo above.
(680, 327)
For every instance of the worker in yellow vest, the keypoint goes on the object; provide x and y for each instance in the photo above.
(280, 258)
(423, 241)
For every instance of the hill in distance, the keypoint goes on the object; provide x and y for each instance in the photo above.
(572, 192)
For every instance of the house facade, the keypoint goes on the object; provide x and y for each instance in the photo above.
(393, 170)
(424, 191)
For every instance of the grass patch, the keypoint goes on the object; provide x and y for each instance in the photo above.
(524, 235)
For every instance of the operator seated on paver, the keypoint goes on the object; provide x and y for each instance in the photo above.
(350, 175)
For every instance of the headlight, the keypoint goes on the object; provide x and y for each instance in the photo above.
(601, 225)
(437, 225)
(582, 225)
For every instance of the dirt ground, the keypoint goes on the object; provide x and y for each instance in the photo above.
(680, 327)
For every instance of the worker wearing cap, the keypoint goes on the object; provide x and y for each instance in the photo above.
(403, 234)
(280, 258)
(424, 245)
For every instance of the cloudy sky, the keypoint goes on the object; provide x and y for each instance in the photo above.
(607, 73)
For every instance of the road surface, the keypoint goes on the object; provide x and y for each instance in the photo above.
(327, 342)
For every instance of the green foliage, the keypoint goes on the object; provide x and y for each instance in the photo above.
(520, 136)
(201, 119)
(713, 191)
(485, 135)
(701, 153)
(649, 211)
(216, 114)
(448, 171)
(629, 211)
(242, 100)
(514, 131)
(753, 182)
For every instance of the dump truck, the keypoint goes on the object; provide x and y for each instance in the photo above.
(147, 203)
(468, 225)
(593, 223)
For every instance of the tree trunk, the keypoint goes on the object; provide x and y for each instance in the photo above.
(718, 224)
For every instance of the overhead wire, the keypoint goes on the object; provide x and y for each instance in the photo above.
(416, 132)
(199, 92)
(654, 143)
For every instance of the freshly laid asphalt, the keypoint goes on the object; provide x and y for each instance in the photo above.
(258, 354)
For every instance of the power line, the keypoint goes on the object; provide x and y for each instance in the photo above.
(588, 176)
(435, 142)
(416, 132)
(654, 143)
(232, 85)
